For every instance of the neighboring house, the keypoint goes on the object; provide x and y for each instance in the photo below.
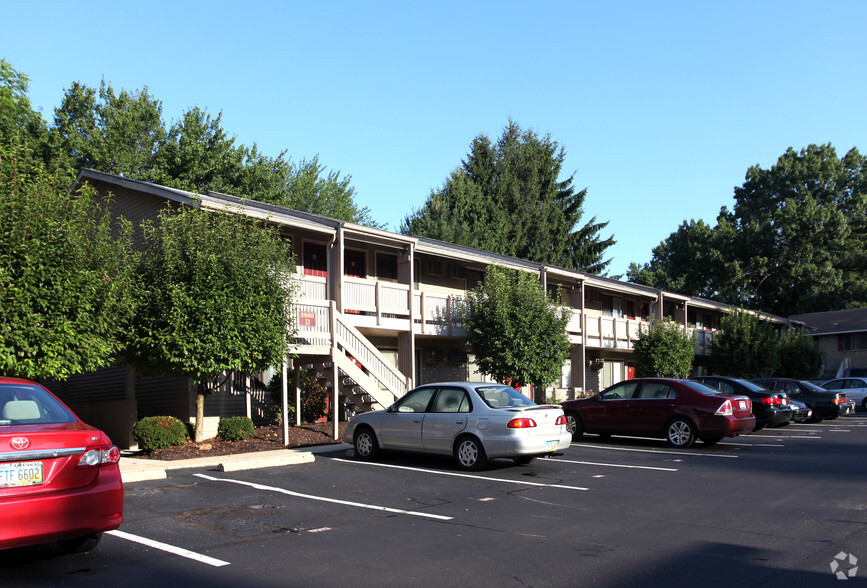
(379, 312)
(841, 335)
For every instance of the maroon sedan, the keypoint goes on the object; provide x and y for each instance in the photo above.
(59, 478)
(679, 411)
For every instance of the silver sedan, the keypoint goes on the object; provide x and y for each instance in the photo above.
(472, 421)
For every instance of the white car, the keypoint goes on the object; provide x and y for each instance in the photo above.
(473, 421)
(856, 388)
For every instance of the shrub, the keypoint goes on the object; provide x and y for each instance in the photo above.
(159, 432)
(236, 428)
(314, 397)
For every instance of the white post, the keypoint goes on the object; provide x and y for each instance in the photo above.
(284, 407)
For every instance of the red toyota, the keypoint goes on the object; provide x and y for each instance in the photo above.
(59, 478)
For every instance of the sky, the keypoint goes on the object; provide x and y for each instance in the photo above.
(661, 107)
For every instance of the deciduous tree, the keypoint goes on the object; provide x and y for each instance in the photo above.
(746, 347)
(517, 332)
(214, 293)
(663, 350)
(65, 285)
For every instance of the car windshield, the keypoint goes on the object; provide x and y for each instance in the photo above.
(497, 396)
(28, 404)
(751, 386)
(700, 388)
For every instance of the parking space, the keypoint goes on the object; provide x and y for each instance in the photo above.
(765, 508)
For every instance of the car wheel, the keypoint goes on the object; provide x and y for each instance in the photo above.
(574, 425)
(470, 454)
(864, 404)
(680, 433)
(524, 459)
(711, 440)
(80, 544)
(366, 446)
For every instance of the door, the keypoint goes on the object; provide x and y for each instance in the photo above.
(447, 417)
(401, 425)
(652, 408)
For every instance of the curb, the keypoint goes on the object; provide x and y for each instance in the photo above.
(136, 469)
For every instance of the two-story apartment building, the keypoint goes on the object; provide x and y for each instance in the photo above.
(379, 312)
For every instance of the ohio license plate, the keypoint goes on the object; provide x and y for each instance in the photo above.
(26, 473)
(742, 404)
(551, 446)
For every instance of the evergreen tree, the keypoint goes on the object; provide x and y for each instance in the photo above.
(507, 198)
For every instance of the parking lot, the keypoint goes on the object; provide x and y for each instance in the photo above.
(775, 508)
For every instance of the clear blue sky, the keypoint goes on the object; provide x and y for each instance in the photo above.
(661, 106)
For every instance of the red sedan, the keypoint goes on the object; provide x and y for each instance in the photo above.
(679, 411)
(59, 478)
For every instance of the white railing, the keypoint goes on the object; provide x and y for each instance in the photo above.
(324, 331)
(436, 313)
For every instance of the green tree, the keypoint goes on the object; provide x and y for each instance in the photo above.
(507, 198)
(746, 347)
(663, 350)
(793, 242)
(18, 121)
(799, 358)
(65, 282)
(123, 133)
(517, 332)
(214, 292)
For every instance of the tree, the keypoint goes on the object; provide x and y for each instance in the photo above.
(663, 350)
(65, 282)
(507, 198)
(214, 294)
(515, 330)
(123, 133)
(799, 358)
(746, 347)
(793, 242)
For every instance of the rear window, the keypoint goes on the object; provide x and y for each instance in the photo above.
(503, 397)
(27, 404)
(699, 387)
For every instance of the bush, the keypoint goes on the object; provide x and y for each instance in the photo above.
(236, 428)
(314, 397)
(159, 432)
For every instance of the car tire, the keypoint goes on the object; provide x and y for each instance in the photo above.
(680, 433)
(574, 425)
(864, 404)
(470, 454)
(80, 544)
(524, 459)
(366, 445)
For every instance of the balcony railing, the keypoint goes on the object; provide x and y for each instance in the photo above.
(438, 313)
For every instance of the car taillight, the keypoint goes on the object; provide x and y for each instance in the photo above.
(93, 458)
(521, 423)
(771, 400)
(561, 420)
(839, 400)
(725, 409)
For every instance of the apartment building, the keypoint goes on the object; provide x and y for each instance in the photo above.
(378, 313)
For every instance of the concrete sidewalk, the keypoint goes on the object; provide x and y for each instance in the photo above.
(134, 469)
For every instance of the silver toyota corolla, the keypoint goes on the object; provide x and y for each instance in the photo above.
(473, 421)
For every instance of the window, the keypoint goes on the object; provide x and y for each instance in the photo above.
(656, 391)
(621, 392)
(386, 266)
(415, 401)
(451, 400)
(26, 404)
(854, 341)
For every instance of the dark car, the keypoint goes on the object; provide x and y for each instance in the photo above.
(801, 413)
(771, 409)
(679, 411)
(826, 404)
(59, 478)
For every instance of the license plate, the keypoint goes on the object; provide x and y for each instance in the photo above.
(27, 473)
(785, 402)
(550, 446)
(742, 404)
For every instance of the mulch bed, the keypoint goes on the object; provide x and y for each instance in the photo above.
(265, 439)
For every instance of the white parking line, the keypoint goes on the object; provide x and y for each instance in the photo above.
(753, 444)
(616, 465)
(323, 499)
(779, 438)
(170, 548)
(522, 483)
(651, 450)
